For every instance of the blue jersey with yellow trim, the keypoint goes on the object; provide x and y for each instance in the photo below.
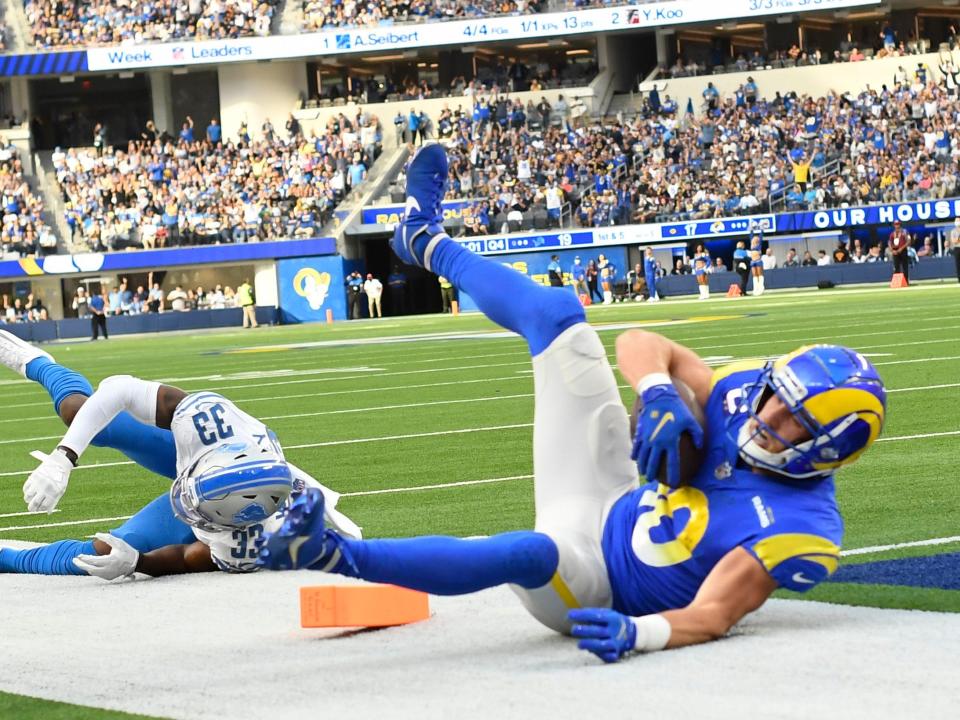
(660, 544)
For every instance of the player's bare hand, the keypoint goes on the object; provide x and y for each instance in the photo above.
(121, 562)
(47, 484)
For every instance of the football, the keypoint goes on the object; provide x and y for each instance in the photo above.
(691, 457)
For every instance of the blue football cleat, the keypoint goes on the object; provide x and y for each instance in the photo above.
(302, 540)
(422, 225)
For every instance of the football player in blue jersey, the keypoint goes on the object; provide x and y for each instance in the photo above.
(628, 564)
(230, 477)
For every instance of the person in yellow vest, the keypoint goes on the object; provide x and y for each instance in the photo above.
(246, 302)
(447, 294)
(801, 172)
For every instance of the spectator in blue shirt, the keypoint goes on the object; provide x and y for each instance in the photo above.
(356, 172)
(413, 124)
(186, 132)
(710, 96)
(214, 132)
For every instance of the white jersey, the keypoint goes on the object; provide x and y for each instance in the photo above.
(235, 550)
(205, 420)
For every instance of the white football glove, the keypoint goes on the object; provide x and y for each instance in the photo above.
(47, 484)
(121, 562)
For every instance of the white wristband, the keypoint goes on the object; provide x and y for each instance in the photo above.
(653, 633)
(648, 381)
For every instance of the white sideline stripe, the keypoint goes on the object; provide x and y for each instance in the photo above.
(415, 488)
(897, 546)
(38, 439)
(355, 441)
(920, 436)
(319, 379)
(394, 407)
(79, 467)
(924, 387)
(808, 338)
(279, 372)
(918, 360)
(13, 528)
(350, 391)
(26, 512)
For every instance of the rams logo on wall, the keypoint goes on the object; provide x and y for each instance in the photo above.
(312, 285)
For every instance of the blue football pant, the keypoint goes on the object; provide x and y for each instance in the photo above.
(153, 448)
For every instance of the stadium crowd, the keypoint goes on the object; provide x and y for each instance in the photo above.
(23, 229)
(886, 44)
(122, 299)
(319, 14)
(107, 22)
(743, 154)
(204, 189)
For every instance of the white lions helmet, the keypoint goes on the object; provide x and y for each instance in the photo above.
(231, 486)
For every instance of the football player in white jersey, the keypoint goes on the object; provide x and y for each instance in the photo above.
(230, 477)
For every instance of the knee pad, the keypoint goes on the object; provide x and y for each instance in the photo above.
(580, 581)
(580, 358)
(557, 311)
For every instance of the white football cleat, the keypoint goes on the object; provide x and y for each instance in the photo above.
(16, 353)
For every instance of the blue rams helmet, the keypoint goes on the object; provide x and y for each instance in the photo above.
(834, 392)
(231, 486)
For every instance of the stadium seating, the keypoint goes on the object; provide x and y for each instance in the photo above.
(108, 22)
(24, 231)
(156, 193)
(319, 14)
(739, 158)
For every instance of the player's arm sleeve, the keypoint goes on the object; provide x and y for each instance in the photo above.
(115, 394)
(797, 561)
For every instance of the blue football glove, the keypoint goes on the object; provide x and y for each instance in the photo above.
(661, 422)
(606, 633)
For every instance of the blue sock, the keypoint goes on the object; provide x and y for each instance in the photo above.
(53, 559)
(451, 566)
(59, 381)
(508, 297)
(148, 446)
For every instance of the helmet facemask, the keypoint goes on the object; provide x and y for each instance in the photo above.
(840, 440)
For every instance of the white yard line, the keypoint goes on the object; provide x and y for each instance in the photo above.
(92, 521)
(94, 466)
(24, 513)
(918, 360)
(409, 436)
(441, 486)
(920, 436)
(397, 407)
(898, 546)
(923, 387)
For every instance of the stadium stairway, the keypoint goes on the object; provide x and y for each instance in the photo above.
(54, 209)
(289, 21)
(18, 29)
(381, 175)
(624, 105)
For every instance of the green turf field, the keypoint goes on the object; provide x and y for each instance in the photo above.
(375, 417)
